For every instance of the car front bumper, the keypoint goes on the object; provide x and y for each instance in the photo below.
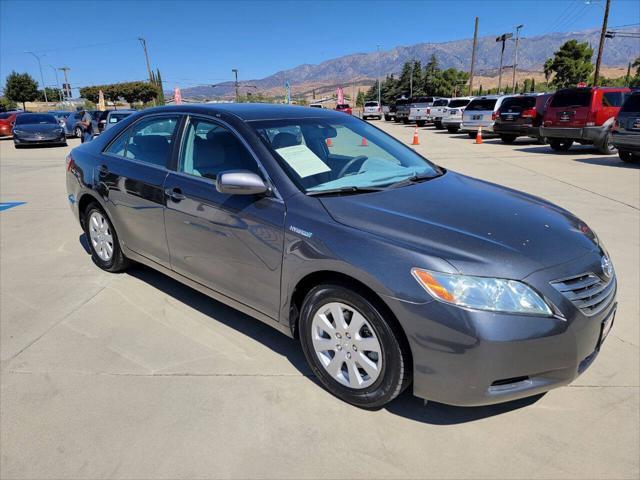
(22, 140)
(469, 358)
(629, 142)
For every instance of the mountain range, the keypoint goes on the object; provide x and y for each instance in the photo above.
(360, 67)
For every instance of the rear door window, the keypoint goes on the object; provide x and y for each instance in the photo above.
(632, 104)
(612, 99)
(518, 103)
(149, 140)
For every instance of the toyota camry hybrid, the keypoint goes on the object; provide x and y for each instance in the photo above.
(390, 270)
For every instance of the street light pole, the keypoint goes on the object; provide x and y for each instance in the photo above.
(378, 75)
(502, 38)
(57, 81)
(146, 56)
(596, 74)
(44, 89)
(515, 59)
(235, 71)
(67, 87)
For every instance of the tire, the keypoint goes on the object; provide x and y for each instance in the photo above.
(77, 132)
(420, 123)
(452, 129)
(396, 119)
(390, 368)
(560, 144)
(472, 134)
(628, 157)
(405, 121)
(387, 118)
(103, 233)
(508, 139)
(606, 147)
(437, 125)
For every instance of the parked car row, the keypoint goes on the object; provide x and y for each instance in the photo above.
(606, 117)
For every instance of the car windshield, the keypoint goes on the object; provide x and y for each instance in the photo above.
(459, 103)
(441, 102)
(572, 98)
(632, 104)
(481, 104)
(327, 155)
(30, 119)
(519, 102)
(371, 104)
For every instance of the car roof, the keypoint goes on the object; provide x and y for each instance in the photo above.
(123, 110)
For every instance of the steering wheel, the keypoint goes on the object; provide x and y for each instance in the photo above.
(351, 163)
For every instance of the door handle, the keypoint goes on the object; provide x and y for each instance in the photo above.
(103, 171)
(174, 194)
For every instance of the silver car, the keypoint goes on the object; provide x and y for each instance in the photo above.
(481, 112)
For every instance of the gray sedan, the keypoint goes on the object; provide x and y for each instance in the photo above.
(390, 270)
(37, 129)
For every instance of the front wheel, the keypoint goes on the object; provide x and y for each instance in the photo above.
(103, 240)
(387, 118)
(437, 125)
(405, 121)
(78, 132)
(452, 129)
(420, 123)
(472, 134)
(560, 144)
(606, 146)
(351, 347)
(508, 138)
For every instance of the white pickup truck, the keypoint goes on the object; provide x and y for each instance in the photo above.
(436, 111)
(419, 110)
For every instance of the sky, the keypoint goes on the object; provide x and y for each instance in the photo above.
(199, 42)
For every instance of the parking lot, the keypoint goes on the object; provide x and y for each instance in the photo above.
(136, 376)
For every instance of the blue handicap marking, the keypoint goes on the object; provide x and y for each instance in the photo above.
(8, 205)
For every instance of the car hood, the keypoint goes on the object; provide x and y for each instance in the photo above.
(37, 127)
(478, 227)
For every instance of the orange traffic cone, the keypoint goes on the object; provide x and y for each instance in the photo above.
(329, 144)
(479, 135)
(416, 140)
(364, 142)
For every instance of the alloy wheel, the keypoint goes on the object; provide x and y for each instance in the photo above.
(346, 345)
(101, 237)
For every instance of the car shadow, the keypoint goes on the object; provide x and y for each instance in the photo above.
(546, 149)
(406, 405)
(609, 161)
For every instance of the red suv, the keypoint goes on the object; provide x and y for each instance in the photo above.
(583, 115)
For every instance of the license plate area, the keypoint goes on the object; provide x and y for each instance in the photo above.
(476, 117)
(606, 326)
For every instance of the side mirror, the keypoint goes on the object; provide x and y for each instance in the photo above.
(240, 182)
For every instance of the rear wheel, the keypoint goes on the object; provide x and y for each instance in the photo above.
(437, 125)
(352, 348)
(560, 144)
(472, 134)
(629, 157)
(405, 120)
(452, 129)
(606, 146)
(420, 123)
(103, 240)
(387, 118)
(78, 132)
(396, 119)
(508, 138)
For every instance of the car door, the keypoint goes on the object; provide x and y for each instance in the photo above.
(133, 170)
(233, 244)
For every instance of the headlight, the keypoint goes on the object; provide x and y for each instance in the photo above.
(18, 131)
(493, 294)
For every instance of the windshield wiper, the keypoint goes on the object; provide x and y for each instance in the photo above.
(413, 179)
(352, 190)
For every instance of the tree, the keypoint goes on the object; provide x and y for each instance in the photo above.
(53, 95)
(635, 81)
(91, 93)
(547, 69)
(6, 104)
(533, 84)
(360, 98)
(526, 85)
(21, 87)
(431, 76)
(571, 64)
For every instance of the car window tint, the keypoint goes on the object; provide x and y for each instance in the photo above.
(119, 145)
(612, 99)
(481, 104)
(150, 140)
(632, 104)
(210, 148)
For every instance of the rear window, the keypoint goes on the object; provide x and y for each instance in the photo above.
(612, 99)
(342, 106)
(521, 102)
(443, 102)
(402, 102)
(632, 104)
(481, 104)
(4, 116)
(371, 104)
(459, 103)
(423, 100)
(571, 98)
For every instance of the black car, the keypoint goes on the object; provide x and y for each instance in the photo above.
(37, 129)
(625, 134)
(521, 116)
(380, 262)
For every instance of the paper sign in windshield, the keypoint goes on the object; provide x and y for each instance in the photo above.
(303, 161)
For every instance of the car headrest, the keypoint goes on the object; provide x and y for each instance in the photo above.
(284, 139)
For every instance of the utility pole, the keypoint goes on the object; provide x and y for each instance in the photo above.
(57, 81)
(67, 86)
(146, 56)
(515, 60)
(235, 71)
(378, 75)
(502, 38)
(473, 57)
(596, 75)
(44, 88)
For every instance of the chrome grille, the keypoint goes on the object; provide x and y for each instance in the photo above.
(590, 293)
